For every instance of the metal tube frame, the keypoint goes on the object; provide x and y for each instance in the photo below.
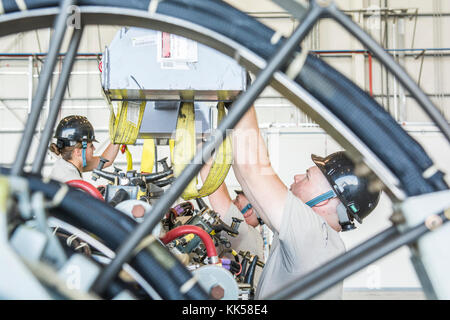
(55, 106)
(387, 60)
(235, 114)
(327, 275)
(55, 222)
(43, 85)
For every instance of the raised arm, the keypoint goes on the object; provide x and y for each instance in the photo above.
(110, 153)
(252, 167)
(220, 200)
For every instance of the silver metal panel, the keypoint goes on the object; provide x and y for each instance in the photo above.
(151, 65)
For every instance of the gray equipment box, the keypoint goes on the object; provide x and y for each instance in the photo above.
(160, 118)
(165, 69)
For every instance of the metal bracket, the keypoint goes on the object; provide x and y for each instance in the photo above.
(294, 7)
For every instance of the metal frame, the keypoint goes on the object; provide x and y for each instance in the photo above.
(44, 81)
(55, 105)
(57, 223)
(371, 250)
(236, 112)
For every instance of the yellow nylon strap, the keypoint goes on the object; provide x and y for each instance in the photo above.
(124, 149)
(184, 145)
(171, 146)
(148, 156)
(222, 162)
(124, 127)
(129, 159)
(184, 151)
(4, 195)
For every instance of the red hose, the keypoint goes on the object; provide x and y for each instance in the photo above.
(86, 186)
(186, 229)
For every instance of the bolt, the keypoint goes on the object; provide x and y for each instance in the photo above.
(217, 292)
(433, 221)
(138, 211)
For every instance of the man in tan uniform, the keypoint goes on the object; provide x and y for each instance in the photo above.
(74, 146)
(249, 238)
(306, 218)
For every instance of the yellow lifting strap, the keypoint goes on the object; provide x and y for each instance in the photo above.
(124, 149)
(171, 147)
(185, 148)
(124, 126)
(148, 156)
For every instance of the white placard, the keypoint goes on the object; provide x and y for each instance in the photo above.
(181, 52)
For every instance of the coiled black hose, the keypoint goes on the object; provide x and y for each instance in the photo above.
(155, 263)
(400, 152)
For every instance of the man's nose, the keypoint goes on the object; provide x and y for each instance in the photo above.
(299, 177)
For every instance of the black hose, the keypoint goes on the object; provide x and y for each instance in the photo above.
(165, 182)
(400, 152)
(201, 203)
(156, 176)
(249, 276)
(155, 263)
(119, 196)
(244, 268)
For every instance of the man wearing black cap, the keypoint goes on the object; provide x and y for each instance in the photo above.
(74, 144)
(249, 237)
(245, 207)
(307, 217)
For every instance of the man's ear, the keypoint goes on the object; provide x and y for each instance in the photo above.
(76, 152)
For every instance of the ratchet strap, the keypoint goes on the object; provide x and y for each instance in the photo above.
(185, 148)
(124, 126)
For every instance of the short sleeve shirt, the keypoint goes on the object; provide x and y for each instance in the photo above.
(64, 171)
(304, 242)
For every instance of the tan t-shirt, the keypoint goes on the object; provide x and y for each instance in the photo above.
(248, 239)
(305, 242)
(64, 171)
